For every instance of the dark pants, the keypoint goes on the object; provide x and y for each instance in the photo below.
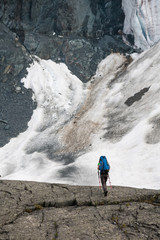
(103, 181)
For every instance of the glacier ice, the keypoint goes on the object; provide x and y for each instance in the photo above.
(142, 19)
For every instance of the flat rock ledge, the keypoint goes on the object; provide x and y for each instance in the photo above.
(43, 211)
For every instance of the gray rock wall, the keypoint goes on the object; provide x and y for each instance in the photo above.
(30, 210)
(85, 18)
(67, 31)
(16, 104)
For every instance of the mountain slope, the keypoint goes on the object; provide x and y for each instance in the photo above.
(77, 33)
(116, 114)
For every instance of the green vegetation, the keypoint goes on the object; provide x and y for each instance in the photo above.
(56, 233)
(32, 209)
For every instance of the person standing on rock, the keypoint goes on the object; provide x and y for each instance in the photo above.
(103, 167)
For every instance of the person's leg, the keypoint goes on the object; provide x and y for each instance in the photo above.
(105, 193)
(103, 181)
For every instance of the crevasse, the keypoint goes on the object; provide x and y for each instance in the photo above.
(142, 19)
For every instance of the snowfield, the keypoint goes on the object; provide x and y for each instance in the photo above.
(116, 114)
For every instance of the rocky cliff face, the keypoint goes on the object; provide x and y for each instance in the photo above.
(44, 211)
(79, 33)
(16, 105)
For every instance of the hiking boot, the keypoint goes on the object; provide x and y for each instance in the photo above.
(105, 194)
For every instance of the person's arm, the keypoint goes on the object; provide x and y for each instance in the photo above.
(108, 164)
(98, 166)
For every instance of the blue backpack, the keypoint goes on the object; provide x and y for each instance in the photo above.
(103, 164)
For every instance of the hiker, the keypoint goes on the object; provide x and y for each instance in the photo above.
(103, 167)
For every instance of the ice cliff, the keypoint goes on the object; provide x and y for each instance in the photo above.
(142, 19)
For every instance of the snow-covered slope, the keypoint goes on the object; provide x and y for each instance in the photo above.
(117, 114)
(142, 19)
